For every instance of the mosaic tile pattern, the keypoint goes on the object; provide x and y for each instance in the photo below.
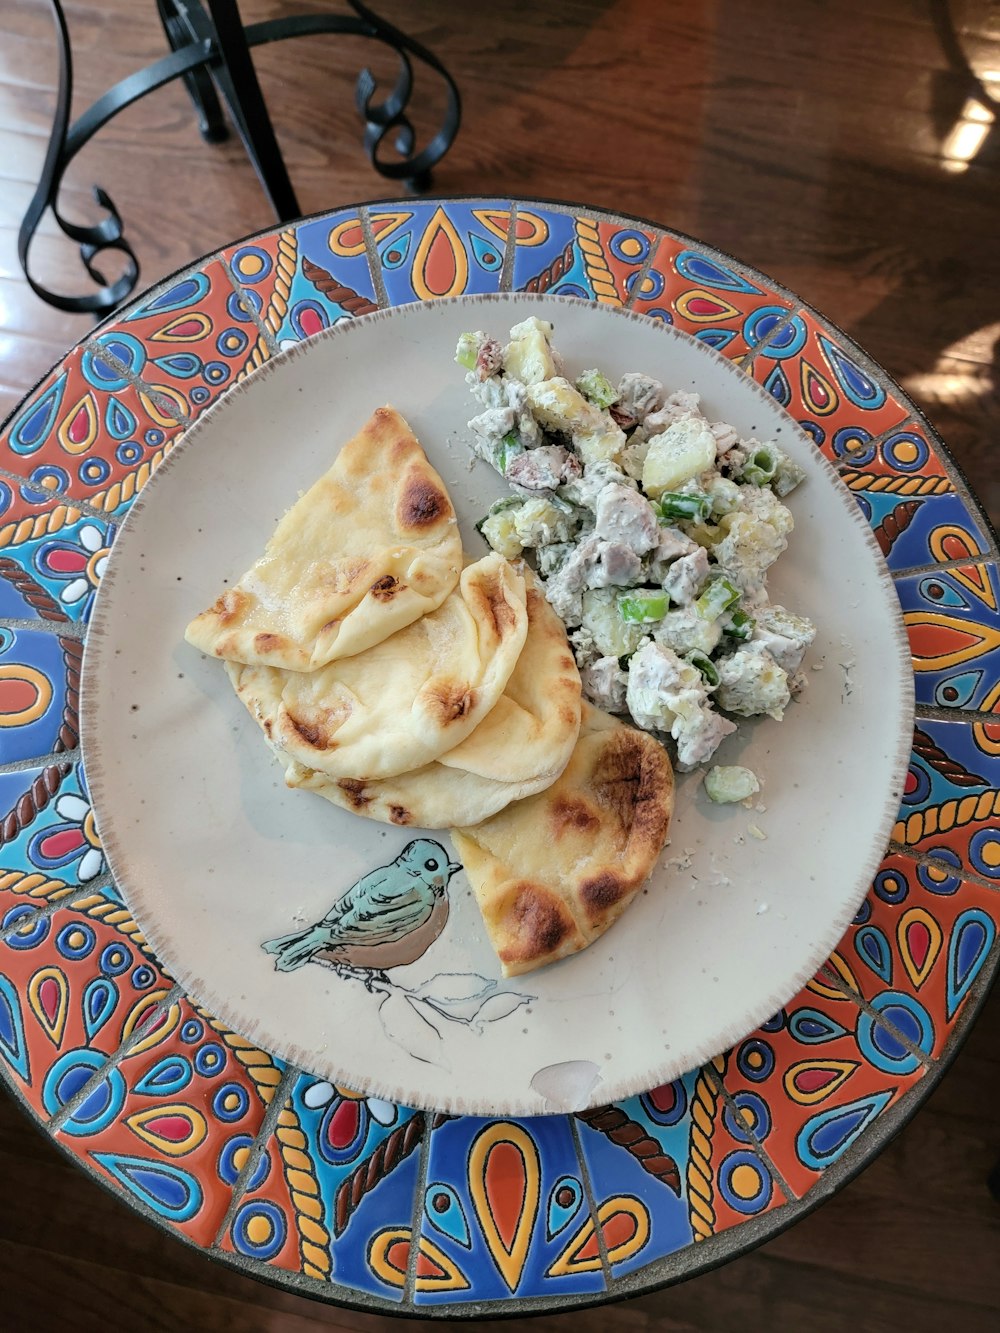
(361, 1200)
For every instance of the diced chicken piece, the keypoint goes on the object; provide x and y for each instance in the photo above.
(543, 469)
(683, 451)
(613, 564)
(565, 597)
(516, 397)
(725, 437)
(667, 694)
(685, 631)
(552, 558)
(491, 426)
(490, 358)
(751, 682)
(587, 490)
(785, 636)
(677, 407)
(685, 576)
(585, 648)
(623, 515)
(672, 545)
(490, 392)
(604, 684)
(638, 395)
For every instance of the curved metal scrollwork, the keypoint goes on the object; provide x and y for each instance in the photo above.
(194, 61)
(92, 240)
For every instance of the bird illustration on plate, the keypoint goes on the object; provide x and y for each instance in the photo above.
(388, 919)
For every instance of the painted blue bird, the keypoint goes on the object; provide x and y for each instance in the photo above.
(387, 919)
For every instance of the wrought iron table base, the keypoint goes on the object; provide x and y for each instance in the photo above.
(210, 51)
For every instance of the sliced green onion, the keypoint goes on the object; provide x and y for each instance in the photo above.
(597, 388)
(705, 665)
(692, 507)
(741, 626)
(509, 447)
(719, 596)
(760, 467)
(467, 351)
(641, 607)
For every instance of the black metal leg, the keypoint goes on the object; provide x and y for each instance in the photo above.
(237, 80)
(180, 33)
(211, 52)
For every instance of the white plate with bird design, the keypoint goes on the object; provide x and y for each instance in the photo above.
(243, 886)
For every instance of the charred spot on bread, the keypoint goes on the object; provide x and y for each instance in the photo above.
(267, 643)
(421, 503)
(570, 813)
(354, 790)
(316, 733)
(449, 701)
(602, 893)
(229, 605)
(538, 922)
(494, 598)
(400, 815)
(633, 780)
(385, 588)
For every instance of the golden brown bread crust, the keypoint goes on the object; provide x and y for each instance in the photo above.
(588, 844)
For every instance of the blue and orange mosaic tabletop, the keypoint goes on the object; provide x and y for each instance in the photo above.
(365, 1203)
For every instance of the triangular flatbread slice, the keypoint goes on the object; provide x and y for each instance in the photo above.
(368, 549)
(552, 873)
(402, 703)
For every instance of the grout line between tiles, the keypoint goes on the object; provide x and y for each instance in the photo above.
(66, 629)
(69, 897)
(837, 983)
(32, 919)
(374, 261)
(509, 250)
(746, 365)
(936, 862)
(416, 1212)
(278, 1102)
(961, 563)
(588, 1193)
(936, 713)
(248, 308)
(42, 761)
(715, 1077)
(138, 1034)
(81, 507)
(639, 277)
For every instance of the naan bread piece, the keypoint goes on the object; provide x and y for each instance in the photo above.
(428, 797)
(553, 872)
(401, 704)
(368, 549)
(527, 737)
(531, 732)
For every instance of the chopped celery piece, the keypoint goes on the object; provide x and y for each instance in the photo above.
(731, 782)
(705, 665)
(642, 606)
(760, 467)
(692, 507)
(741, 626)
(467, 351)
(719, 596)
(597, 388)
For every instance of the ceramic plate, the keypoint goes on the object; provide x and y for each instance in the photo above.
(216, 857)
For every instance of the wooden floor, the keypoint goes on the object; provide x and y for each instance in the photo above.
(821, 142)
